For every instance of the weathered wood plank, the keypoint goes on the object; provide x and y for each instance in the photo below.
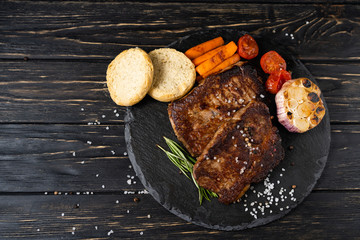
(118, 216)
(37, 91)
(101, 30)
(40, 158)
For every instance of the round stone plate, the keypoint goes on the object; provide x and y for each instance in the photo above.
(306, 154)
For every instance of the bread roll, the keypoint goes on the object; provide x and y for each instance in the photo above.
(129, 76)
(174, 74)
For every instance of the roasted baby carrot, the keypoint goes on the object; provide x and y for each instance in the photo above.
(204, 47)
(228, 50)
(228, 62)
(197, 61)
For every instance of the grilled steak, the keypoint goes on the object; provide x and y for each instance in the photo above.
(224, 123)
(243, 150)
(196, 117)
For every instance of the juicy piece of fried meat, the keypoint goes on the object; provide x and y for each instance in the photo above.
(196, 117)
(242, 151)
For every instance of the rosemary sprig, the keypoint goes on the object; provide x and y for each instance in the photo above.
(183, 160)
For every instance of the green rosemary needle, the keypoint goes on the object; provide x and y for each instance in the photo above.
(183, 160)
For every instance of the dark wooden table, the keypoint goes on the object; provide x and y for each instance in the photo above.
(64, 170)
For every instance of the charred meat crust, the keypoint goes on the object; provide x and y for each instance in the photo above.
(242, 151)
(196, 117)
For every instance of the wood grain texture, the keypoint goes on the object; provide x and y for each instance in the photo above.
(39, 158)
(96, 30)
(56, 92)
(118, 216)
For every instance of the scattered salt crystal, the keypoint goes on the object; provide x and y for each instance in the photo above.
(72, 233)
(74, 154)
(63, 214)
(286, 34)
(107, 128)
(96, 227)
(45, 193)
(274, 31)
(74, 228)
(82, 162)
(132, 177)
(103, 116)
(113, 152)
(117, 115)
(141, 233)
(129, 181)
(125, 153)
(117, 201)
(115, 111)
(89, 142)
(149, 216)
(262, 96)
(127, 211)
(130, 166)
(110, 232)
(82, 109)
(103, 186)
(97, 175)
(307, 22)
(38, 229)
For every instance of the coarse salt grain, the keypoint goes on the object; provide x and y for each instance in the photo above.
(110, 232)
(125, 153)
(117, 201)
(107, 128)
(103, 186)
(74, 154)
(141, 233)
(103, 116)
(129, 181)
(89, 142)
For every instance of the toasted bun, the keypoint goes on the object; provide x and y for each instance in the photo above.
(174, 74)
(129, 76)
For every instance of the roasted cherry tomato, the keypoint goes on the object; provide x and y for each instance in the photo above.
(271, 62)
(276, 80)
(247, 47)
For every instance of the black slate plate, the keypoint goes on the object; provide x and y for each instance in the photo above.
(147, 122)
